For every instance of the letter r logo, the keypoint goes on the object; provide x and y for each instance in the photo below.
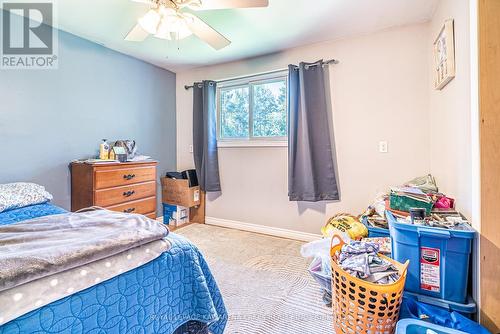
(30, 33)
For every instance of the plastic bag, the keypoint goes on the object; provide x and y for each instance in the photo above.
(410, 308)
(345, 223)
(321, 271)
(317, 247)
(444, 202)
(321, 247)
(425, 183)
(320, 267)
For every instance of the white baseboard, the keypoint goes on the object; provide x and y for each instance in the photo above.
(274, 231)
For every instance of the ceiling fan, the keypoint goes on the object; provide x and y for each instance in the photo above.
(167, 19)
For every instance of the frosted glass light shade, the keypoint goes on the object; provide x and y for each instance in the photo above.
(173, 27)
(150, 21)
(182, 30)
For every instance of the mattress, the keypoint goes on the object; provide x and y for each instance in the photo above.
(158, 297)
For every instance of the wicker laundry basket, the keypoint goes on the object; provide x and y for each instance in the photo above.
(361, 307)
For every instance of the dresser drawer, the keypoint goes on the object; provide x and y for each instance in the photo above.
(142, 206)
(107, 178)
(118, 195)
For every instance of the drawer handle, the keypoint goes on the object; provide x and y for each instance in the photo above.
(129, 176)
(129, 210)
(128, 193)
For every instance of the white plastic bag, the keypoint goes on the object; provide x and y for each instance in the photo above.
(321, 247)
(320, 267)
(314, 248)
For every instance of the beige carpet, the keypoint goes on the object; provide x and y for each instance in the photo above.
(264, 282)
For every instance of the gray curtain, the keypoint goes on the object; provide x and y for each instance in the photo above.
(206, 160)
(311, 168)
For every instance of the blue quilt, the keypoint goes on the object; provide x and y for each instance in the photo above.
(29, 212)
(158, 297)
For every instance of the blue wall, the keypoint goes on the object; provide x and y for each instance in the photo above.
(50, 117)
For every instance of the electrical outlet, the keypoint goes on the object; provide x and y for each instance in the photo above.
(382, 147)
(190, 148)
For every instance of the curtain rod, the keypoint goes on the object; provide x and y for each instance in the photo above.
(327, 62)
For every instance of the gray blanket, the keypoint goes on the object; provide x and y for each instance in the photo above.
(44, 246)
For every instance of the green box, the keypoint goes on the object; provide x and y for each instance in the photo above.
(405, 203)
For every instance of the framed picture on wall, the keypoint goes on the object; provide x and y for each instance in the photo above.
(444, 55)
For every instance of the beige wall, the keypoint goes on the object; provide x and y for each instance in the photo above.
(450, 111)
(380, 91)
(454, 118)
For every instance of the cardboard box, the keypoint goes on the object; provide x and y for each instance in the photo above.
(197, 213)
(178, 192)
(180, 216)
(174, 215)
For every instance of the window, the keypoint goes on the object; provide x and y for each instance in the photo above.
(253, 110)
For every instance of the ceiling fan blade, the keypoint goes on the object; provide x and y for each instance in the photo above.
(206, 33)
(228, 4)
(137, 34)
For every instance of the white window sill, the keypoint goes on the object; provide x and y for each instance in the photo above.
(252, 143)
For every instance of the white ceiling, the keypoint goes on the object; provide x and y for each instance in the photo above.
(284, 24)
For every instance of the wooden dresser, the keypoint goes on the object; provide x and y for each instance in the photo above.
(125, 187)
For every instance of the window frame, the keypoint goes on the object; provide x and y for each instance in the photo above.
(250, 82)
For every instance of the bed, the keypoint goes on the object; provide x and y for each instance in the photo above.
(174, 293)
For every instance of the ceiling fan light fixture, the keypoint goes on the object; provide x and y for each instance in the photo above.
(182, 31)
(193, 4)
(150, 21)
(168, 20)
(166, 11)
(173, 27)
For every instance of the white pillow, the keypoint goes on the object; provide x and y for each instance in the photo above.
(21, 194)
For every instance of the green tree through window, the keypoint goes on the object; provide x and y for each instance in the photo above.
(269, 110)
(254, 110)
(234, 112)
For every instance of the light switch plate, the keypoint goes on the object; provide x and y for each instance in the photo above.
(382, 147)
(191, 148)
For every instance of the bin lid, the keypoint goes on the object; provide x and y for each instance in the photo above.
(415, 326)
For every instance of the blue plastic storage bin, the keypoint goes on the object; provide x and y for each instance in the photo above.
(376, 232)
(467, 309)
(439, 258)
(413, 326)
(441, 313)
